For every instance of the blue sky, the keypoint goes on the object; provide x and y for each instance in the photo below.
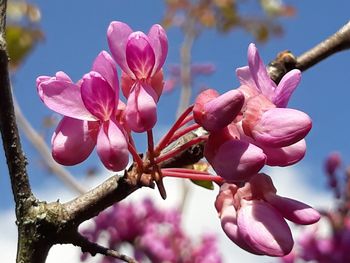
(75, 32)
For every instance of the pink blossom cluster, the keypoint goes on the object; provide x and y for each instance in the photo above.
(327, 249)
(252, 124)
(93, 113)
(250, 127)
(155, 234)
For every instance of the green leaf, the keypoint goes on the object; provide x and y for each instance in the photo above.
(203, 183)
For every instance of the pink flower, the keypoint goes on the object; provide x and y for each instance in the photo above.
(233, 159)
(141, 58)
(253, 216)
(90, 115)
(265, 118)
(214, 112)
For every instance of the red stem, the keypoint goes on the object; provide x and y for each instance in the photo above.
(179, 149)
(136, 157)
(186, 120)
(179, 134)
(165, 140)
(193, 176)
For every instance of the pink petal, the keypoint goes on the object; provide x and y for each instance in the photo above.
(279, 127)
(245, 78)
(106, 66)
(159, 42)
(293, 210)
(141, 108)
(126, 84)
(112, 147)
(264, 229)
(65, 98)
(117, 36)
(140, 55)
(60, 75)
(229, 225)
(259, 73)
(236, 160)
(157, 83)
(73, 140)
(219, 112)
(98, 96)
(285, 156)
(286, 87)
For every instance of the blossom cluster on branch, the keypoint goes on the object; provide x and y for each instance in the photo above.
(245, 129)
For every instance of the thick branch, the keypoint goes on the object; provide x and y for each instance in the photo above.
(88, 205)
(285, 61)
(16, 160)
(93, 249)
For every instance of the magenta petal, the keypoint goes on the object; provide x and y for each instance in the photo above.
(98, 96)
(245, 78)
(112, 147)
(141, 108)
(60, 75)
(117, 36)
(229, 225)
(221, 111)
(279, 127)
(264, 229)
(237, 160)
(65, 98)
(286, 87)
(73, 140)
(106, 66)
(285, 156)
(140, 55)
(259, 73)
(293, 210)
(159, 42)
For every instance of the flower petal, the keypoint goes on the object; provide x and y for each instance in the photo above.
(73, 140)
(112, 147)
(293, 210)
(259, 73)
(286, 88)
(117, 36)
(141, 108)
(98, 96)
(65, 98)
(218, 112)
(279, 127)
(245, 78)
(140, 55)
(263, 228)
(229, 225)
(236, 160)
(285, 156)
(159, 42)
(106, 66)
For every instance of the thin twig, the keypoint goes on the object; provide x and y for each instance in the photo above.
(41, 146)
(286, 61)
(16, 160)
(93, 249)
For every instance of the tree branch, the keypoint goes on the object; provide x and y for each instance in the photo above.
(93, 249)
(285, 60)
(16, 160)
